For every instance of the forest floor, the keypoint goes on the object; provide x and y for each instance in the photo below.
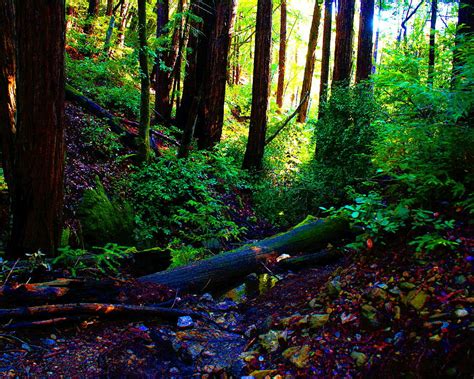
(383, 312)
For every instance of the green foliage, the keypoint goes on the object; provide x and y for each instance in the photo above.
(106, 259)
(104, 219)
(97, 135)
(3, 183)
(178, 202)
(112, 83)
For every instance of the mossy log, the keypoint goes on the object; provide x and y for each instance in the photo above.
(220, 270)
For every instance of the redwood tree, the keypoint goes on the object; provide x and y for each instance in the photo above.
(207, 70)
(323, 90)
(365, 44)
(282, 54)
(465, 26)
(144, 128)
(32, 107)
(163, 77)
(343, 49)
(310, 60)
(253, 158)
(432, 51)
(92, 13)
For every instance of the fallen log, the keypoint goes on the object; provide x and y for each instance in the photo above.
(220, 270)
(92, 309)
(309, 260)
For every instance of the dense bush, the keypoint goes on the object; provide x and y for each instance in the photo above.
(178, 203)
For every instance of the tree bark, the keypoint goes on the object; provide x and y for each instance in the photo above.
(163, 77)
(343, 49)
(92, 13)
(465, 27)
(7, 89)
(211, 110)
(144, 128)
(323, 88)
(365, 44)
(233, 265)
(110, 7)
(35, 156)
(432, 48)
(253, 158)
(310, 60)
(124, 12)
(282, 54)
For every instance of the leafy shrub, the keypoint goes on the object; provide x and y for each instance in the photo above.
(106, 259)
(178, 203)
(97, 134)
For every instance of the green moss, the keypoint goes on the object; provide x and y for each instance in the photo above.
(104, 220)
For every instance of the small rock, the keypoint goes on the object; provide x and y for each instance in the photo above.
(378, 293)
(461, 312)
(407, 286)
(207, 297)
(369, 314)
(269, 341)
(185, 322)
(49, 342)
(334, 288)
(317, 321)
(435, 338)
(262, 374)
(299, 356)
(360, 358)
(417, 299)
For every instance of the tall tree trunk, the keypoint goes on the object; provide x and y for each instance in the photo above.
(7, 90)
(310, 60)
(343, 49)
(282, 54)
(191, 79)
(432, 52)
(206, 71)
(365, 45)
(144, 128)
(110, 29)
(253, 158)
(211, 109)
(465, 27)
(35, 156)
(163, 77)
(377, 37)
(92, 13)
(124, 12)
(110, 7)
(323, 90)
(183, 34)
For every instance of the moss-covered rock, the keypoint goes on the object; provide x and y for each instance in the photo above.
(104, 220)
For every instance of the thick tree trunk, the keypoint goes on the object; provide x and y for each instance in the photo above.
(222, 269)
(365, 44)
(92, 13)
(192, 76)
(35, 155)
(432, 51)
(465, 27)
(323, 88)
(343, 49)
(261, 87)
(163, 77)
(144, 128)
(211, 109)
(310, 60)
(7, 89)
(282, 54)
